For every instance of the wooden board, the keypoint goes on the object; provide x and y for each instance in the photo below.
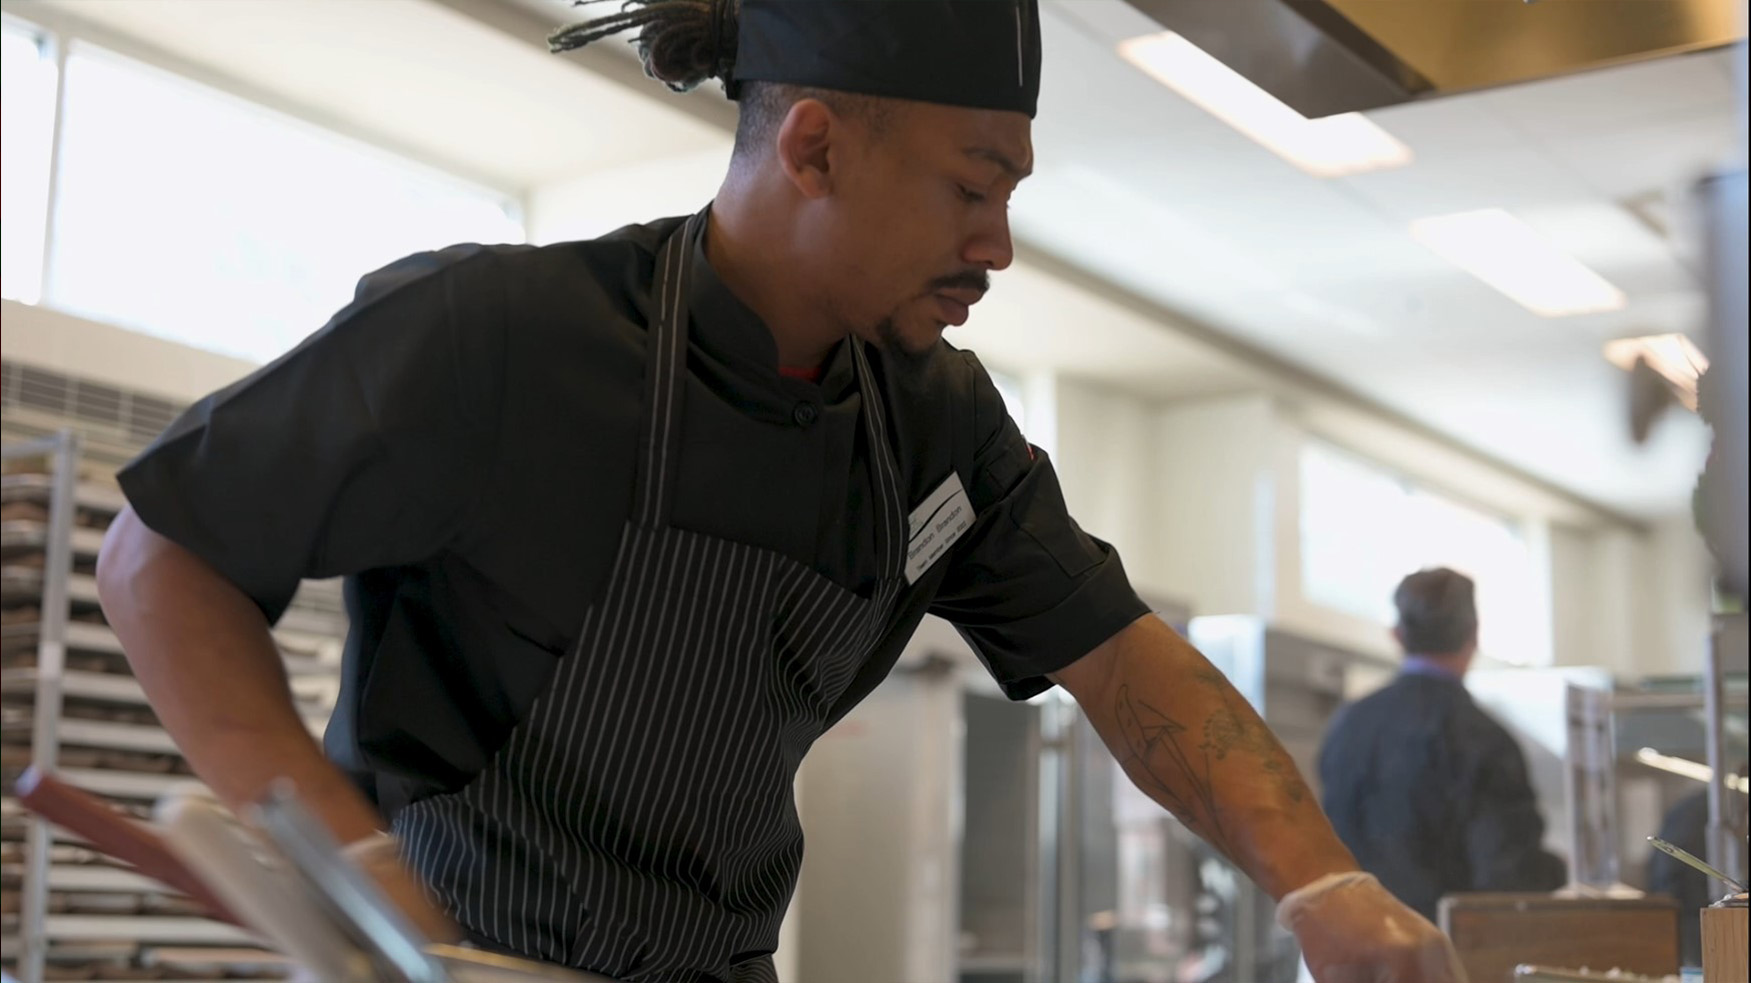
(1493, 933)
(1726, 936)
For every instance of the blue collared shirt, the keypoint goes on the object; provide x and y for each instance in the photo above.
(1422, 665)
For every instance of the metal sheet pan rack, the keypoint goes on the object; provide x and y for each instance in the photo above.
(70, 703)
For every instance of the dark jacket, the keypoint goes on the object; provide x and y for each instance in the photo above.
(1685, 826)
(1432, 795)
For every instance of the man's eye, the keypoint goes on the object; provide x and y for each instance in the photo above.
(970, 196)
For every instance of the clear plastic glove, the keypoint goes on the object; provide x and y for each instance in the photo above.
(1352, 930)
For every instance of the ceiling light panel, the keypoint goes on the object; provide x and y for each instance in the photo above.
(1334, 146)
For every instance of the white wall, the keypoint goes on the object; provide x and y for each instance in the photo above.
(602, 201)
(1201, 499)
(1221, 492)
(1636, 602)
(74, 346)
(1105, 462)
(1677, 578)
(1592, 613)
(1212, 499)
(1600, 610)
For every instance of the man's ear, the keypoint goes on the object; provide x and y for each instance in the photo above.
(804, 140)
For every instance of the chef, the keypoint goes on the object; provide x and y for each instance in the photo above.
(628, 523)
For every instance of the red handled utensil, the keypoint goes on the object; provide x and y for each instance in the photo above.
(121, 836)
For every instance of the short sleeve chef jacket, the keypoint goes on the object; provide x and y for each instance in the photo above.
(459, 440)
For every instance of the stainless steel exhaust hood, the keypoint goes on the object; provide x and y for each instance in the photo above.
(1333, 56)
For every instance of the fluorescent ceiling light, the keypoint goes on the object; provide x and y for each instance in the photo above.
(1674, 356)
(1694, 770)
(1330, 147)
(1505, 253)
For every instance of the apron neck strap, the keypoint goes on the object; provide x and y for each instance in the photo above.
(665, 382)
(884, 472)
(665, 377)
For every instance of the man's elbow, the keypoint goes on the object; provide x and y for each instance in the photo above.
(1092, 678)
(126, 554)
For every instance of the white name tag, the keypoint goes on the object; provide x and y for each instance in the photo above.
(935, 525)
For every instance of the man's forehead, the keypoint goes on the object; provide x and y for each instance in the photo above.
(1016, 163)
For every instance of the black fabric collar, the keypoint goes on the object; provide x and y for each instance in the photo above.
(734, 350)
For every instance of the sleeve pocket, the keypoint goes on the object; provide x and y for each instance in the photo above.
(1045, 521)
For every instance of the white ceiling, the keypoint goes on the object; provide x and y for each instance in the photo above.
(1169, 202)
(1141, 189)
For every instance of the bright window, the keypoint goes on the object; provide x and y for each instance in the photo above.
(1363, 529)
(186, 213)
(27, 127)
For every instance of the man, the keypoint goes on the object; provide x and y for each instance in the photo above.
(1685, 826)
(1428, 792)
(628, 523)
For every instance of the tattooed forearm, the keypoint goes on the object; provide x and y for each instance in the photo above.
(1192, 742)
(1162, 755)
(1237, 729)
(1160, 759)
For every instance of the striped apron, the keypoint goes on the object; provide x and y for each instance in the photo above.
(640, 822)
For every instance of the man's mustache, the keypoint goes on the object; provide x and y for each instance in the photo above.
(971, 280)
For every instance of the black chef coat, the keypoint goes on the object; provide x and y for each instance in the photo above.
(459, 442)
(1431, 795)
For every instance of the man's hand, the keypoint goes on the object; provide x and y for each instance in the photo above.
(1354, 931)
(379, 857)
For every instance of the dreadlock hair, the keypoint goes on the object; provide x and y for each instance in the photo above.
(685, 42)
(681, 42)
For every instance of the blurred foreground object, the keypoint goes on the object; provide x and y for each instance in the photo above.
(1726, 937)
(295, 887)
(1494, 933)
